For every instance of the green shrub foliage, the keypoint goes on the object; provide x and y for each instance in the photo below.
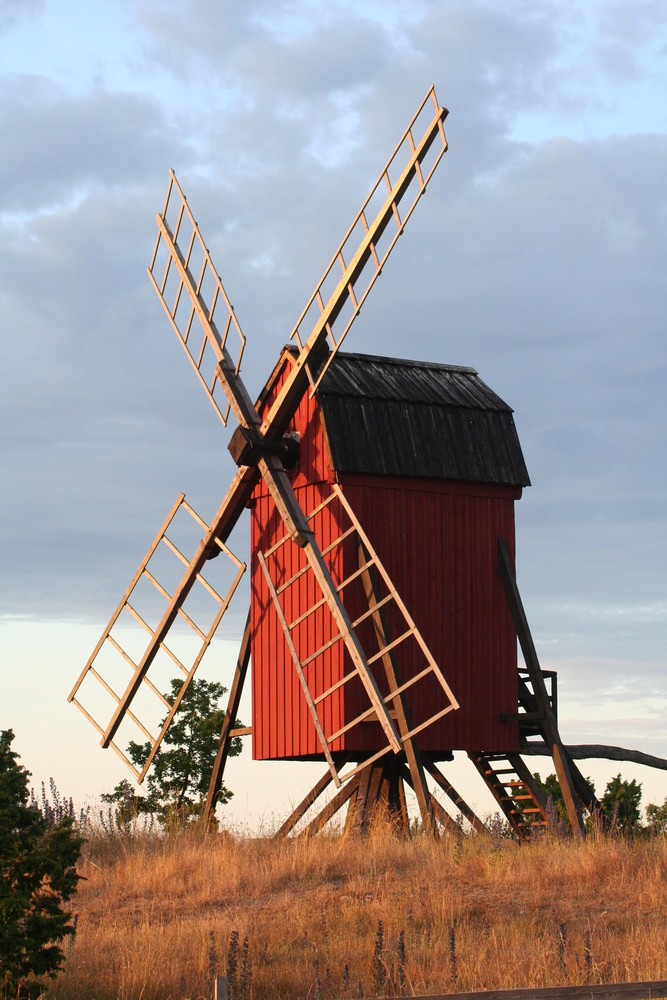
(621, 801)
(37, 878)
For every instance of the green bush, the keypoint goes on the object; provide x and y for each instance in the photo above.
(37, 877)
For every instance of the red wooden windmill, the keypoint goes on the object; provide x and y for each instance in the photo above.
(372, 482)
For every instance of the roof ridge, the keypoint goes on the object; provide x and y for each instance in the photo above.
(383, 359)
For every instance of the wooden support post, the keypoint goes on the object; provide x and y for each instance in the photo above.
(332, 807)
(548, 725)
(227, 724)
(443, 817)
(305, 805)
(439, 812)
(403, 810)
(454, 796)
(410, 745)
(396, 802)
(584, 790)
(356, 819)
(375, 787)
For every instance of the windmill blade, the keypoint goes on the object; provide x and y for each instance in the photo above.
(182, 264)
(118, 664)
(267, 462)
(406, 648)
(300, 533)
(181, 261)
(358, 261)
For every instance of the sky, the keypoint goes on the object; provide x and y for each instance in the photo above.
(537, 257)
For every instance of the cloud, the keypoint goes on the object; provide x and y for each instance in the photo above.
(13, 12)
(536, 259)
(57, 148)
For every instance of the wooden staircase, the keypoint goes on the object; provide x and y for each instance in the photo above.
(514, 789)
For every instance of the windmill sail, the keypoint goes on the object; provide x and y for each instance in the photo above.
(200, 312)
(405, 644)
(132, 664)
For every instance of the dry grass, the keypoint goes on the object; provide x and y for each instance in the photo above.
(155, 916)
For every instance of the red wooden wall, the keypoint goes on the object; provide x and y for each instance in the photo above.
(438, 542)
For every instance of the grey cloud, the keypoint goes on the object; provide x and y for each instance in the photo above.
(56, 148)
(630, 35)
(12, 12)
(541, 265)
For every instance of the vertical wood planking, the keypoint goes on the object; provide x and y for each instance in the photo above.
(437, 540)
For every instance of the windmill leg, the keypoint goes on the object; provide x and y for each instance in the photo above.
(548, 723)
(350, 825)
(439, 813)
(375, 789)
(377, 800)
(304, 805)
(358, 820)
(227, 724)
(403, 807)
(332, 807)
(396, 800)
(457, 799)
(410, 745)
(584, 790)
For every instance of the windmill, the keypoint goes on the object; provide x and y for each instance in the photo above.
(204, 321)
(335, 649)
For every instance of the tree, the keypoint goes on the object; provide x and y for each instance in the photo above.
(37, 878)
(552, 790)
(124, 808)
(657, 817)
(181, 771)
(620, 802)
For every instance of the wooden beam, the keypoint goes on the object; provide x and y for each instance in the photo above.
(454, 796)
(304, 805)
(410, 745)
(529, 781)
(227, 724)
(357, 814)
(439, 812)
(600, 751)
(332, 807)
(548, 725)
(651, 990)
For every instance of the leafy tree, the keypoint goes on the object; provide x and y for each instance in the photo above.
(181, 771)
(37, 877)
(657, 817)
(124, 808)
(552, 790)
(620, 802)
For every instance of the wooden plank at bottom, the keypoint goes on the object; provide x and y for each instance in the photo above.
(650, 990)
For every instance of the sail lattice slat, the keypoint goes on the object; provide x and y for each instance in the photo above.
(405, 646)
(364, 250)
(115, 665)
(193, 296)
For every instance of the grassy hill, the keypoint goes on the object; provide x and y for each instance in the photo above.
(339, 916)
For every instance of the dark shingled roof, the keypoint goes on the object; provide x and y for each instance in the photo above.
(385, 416)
